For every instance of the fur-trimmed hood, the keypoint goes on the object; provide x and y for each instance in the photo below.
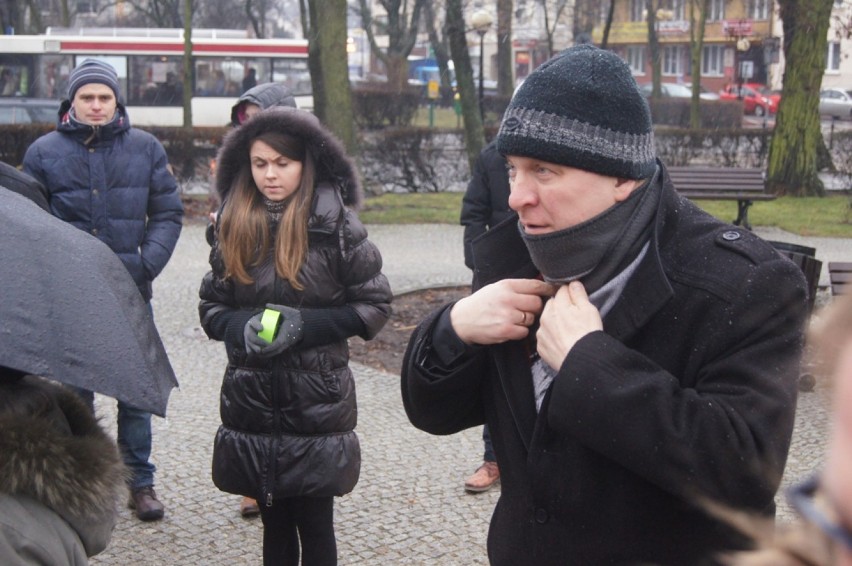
(333, 165)
(65, 461)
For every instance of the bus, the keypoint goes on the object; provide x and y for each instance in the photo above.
(149, 63)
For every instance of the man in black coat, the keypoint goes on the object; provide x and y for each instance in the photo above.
(634, 358)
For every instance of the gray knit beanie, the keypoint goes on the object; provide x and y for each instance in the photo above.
(93, 71)
(582, 109)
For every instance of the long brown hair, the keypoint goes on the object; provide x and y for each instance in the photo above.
(244, 232)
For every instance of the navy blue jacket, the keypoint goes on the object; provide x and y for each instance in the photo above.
(113, 182)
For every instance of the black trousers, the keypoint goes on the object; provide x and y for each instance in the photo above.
(295, 521)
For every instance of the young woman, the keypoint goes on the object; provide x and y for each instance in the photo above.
(288, 240)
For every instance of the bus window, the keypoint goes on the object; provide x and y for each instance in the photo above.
(294, 75)
(155, 80)
(16, 75)
(211, 78)
(52, 78)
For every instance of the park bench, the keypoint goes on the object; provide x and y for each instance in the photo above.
(742, 184)
(840, 277)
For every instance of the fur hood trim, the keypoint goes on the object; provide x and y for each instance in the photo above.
(78, 473)
(333, 165)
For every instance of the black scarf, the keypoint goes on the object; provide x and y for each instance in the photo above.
(596, 250)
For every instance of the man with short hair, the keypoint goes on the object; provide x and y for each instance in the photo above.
(113, 181)
(633, 357)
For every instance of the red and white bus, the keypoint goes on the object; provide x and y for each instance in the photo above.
(149, 63)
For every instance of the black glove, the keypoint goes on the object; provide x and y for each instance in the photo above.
(289, 333)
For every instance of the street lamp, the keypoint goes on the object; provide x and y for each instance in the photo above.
(481, 21)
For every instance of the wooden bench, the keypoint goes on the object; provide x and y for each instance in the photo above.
(742, 184)
(840, 277)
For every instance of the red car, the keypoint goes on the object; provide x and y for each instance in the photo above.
(757, 98)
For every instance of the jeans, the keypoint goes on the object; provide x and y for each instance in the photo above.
(134, 440)
(486, 442)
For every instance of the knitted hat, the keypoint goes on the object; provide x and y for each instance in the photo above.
(582, 109)
(93, 71)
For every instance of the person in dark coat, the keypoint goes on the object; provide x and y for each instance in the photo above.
(485, 204)
(113, 181)
(633, 357)
(261, 97)
(288, 241)
(61, 475)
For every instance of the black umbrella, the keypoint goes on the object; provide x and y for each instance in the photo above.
(71, 312)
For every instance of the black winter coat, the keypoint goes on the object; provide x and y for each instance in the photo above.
(687, 395)
(288, 422)
(486, 200)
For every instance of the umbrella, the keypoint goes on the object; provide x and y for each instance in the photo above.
(71, 312)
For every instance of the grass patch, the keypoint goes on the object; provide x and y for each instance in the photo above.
(810, 216)
(412, 208)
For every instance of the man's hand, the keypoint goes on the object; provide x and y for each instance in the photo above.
(500, 312)
(566, 318)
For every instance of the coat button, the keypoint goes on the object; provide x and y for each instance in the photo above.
(541, 516)
(731, 235)
(94, 231)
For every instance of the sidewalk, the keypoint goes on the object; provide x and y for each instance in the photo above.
(409, 506)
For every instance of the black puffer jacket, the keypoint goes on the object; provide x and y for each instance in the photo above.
(288, 422)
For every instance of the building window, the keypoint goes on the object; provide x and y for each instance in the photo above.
(760, 9)
(716, 11)
(636, 59)
(677, 7)
(637, 10)
(672, 61)
(712, 60)
(833, 62)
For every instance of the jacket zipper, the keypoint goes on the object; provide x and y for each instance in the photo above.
(276, 426)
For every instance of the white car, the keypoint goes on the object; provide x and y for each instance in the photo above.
(678, 91)
(835, 102)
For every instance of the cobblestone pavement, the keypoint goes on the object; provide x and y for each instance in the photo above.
(409, 506)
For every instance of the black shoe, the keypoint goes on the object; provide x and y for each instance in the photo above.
(144, 501)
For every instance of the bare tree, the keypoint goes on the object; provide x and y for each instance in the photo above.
(324, 22)
(797, 145)
(697, 20)
(403, 17)
(474, 133)
(505, 74)
(159, 13)
(555, 13)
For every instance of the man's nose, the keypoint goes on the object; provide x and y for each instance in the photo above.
(521, 192)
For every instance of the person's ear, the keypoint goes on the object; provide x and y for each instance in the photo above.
(623, 188)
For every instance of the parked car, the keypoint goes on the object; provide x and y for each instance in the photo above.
(676, 90)
(835, 102)
(757, 98)
(22, 110)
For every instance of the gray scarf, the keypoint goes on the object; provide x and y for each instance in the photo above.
(599, 248)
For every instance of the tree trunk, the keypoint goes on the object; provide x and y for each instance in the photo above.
(696, 31)
(474, 133)
(333, 65)
(653, 48)
(794, 150)
(308, 11)
(505, 75)
(187, 64)
(610, 12)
